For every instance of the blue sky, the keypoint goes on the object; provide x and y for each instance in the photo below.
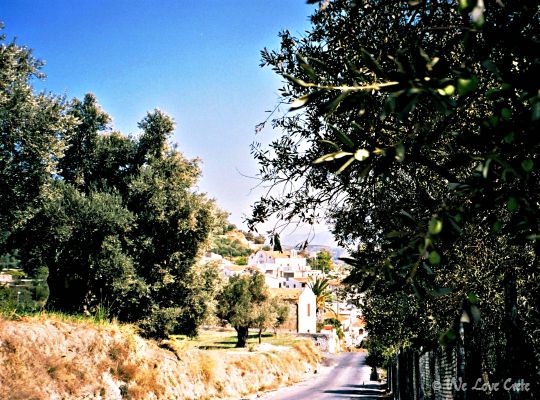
(196, 60)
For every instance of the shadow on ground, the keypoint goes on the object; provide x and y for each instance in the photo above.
(365, 392)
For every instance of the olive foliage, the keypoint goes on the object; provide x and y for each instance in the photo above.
(412, 129)
(111, 220)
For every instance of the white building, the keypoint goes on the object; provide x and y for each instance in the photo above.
(282, 266)
(272, 282)
(303, 308)
(296, 283)
(233, 270)
(264, 258)
(307, 312)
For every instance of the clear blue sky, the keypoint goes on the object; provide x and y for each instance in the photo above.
(196, 60)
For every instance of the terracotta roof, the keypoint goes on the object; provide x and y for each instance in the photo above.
(300, 279)
(327, 328)
(286, 294)
(334, 282)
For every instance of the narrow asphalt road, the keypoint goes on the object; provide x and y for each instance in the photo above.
(348, 379)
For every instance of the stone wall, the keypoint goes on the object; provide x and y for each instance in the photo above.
(326, 342)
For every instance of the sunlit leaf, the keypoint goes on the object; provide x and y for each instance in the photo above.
(466, 4)
(332, 156)
(477, 13)
(345, 165)
(485, 169)
(447, 90)
(465, 317)
(361, 154)
(304, 100)
(296, 81)
(299, 102)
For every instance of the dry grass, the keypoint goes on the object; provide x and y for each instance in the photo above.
(47, 357)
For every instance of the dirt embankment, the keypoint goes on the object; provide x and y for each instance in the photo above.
(50, 358)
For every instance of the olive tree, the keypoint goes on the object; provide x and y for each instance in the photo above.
(411, 129)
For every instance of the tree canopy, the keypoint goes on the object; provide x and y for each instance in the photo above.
(322, 261)
(412, 130)
(245, 302)
(110, 219)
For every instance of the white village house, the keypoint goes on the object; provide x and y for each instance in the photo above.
(281, 267)
(302, 309)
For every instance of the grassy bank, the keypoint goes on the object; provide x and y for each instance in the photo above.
(226, 340)
(56, 356)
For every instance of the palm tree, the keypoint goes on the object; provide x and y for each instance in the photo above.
(319, 287)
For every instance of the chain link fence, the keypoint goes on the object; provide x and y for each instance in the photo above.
(470, 368)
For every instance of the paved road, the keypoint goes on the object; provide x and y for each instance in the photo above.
(349, 379)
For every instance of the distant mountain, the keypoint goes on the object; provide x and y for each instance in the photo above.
(321, 238)
(336, 251)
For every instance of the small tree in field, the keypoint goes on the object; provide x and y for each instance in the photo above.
(264, 317)
(282, 313)
(271, 313)
(240, 304)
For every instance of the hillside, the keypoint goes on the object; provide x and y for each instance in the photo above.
(48, 357)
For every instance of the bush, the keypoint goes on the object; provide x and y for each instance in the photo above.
(23, 298)
(161, 323)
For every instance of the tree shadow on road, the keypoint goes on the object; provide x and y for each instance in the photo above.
(365, 392)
